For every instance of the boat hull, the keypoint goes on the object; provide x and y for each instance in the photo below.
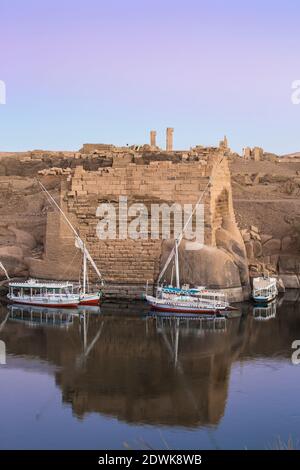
(69, 304)
(90, 299)
(164, 307)
(264, 300)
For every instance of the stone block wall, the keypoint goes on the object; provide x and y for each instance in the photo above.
(128, 264)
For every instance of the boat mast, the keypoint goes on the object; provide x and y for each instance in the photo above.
(84, 273)
(177, 265)
(180, 237)
(78, 241)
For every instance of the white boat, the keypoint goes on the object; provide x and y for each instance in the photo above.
(187, 304)
(57, 294)
(43, 293)
(208, 296)
(264, 289)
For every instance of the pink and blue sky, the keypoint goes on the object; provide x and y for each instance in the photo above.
(110, 70)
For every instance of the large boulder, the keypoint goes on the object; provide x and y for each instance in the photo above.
(209, 266)
(12, 258)
(249, 249)
(23, 238)
(289, 244)
(257, 249)
(229, 239)
(290, 281)
(289, 264)
(272, 247)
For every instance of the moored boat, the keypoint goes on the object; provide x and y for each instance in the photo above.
(90, 299)
(85, 297)
(264, 289)
(184, 299)
(43, 293)
(185, 304)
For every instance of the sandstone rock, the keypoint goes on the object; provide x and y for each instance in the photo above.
(253, 228)
(230, 239)
(288, 244)
(280, 285)
(272, 247)
(265, 237)
(289, 264)
(23, 238)
(254, 235)
(12, 258)
(257, 249)
(254, 268)
(257, 178)
(274, 260)
(266, 260)
(246, 236)
(249, 250)
(290, 281)
(208, 266)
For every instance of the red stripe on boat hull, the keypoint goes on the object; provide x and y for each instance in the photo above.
(90, 302)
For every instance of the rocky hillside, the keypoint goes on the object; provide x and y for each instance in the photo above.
(267, 206)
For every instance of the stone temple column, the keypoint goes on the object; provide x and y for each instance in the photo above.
(169, 139)
(153, 138)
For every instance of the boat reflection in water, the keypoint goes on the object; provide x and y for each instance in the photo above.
(39, 316)
(158, 370)
(265, 312)
(43, 316)
(171, 327)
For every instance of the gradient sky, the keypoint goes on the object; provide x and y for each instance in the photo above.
(110, 70)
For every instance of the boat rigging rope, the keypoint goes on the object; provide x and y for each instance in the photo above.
(180, 237)
(70, 264)
(78, 241)
(4, 270)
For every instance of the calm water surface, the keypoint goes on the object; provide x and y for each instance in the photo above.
(120, 379)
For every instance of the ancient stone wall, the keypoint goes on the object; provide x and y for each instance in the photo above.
(128, 264)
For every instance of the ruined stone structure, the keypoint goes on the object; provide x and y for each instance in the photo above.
(169, 139)
(255, 154)
(224, 143)
(153, 138)
(128, 264)
(89, 148)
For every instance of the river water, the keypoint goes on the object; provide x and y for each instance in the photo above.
(120, 379)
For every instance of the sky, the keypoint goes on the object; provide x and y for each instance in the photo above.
(109, 71)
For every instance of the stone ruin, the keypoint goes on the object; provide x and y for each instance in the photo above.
(128, 264)
(255, 154)
(34, 240)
